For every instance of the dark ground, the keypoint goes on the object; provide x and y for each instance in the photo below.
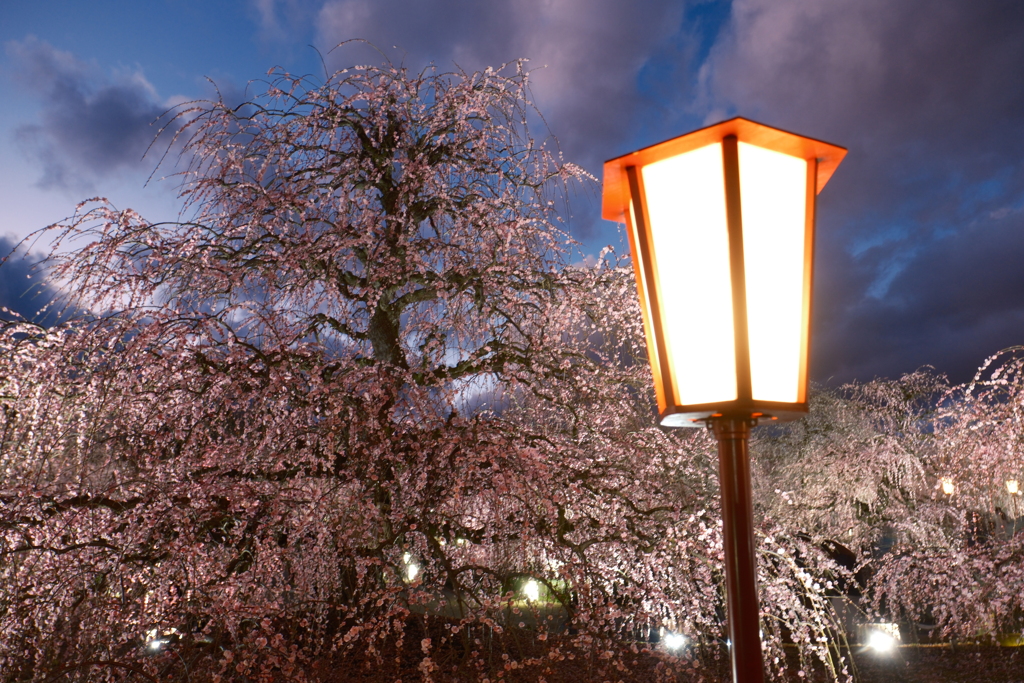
(523, 656)
(943, 664)
(907, 664)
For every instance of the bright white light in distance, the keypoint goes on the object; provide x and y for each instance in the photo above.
(686, 206)
(155, 644)
(411, 568)
(1012, 487)
(773, 200)
(675, 641)
(531, 589)
(947, 486)
(881, 642)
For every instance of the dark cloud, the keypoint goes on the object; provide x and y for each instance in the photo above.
(23, 289)
(920, 229)
(591, 52)
(88, 126)
(959, 298)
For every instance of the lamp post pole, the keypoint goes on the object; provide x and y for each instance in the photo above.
(743, 613)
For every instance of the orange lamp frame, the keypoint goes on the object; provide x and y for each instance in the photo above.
(624, 189)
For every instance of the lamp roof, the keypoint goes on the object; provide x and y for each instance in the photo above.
(615, 196)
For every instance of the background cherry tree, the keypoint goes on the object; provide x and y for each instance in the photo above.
(915, 486)
(959, 562)
(355, 406)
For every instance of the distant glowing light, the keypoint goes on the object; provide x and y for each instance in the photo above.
(411, 568)
(882, 638)
(153, 641)
(1012, 487)
(947, 486)
(675, 641)
(531, 589)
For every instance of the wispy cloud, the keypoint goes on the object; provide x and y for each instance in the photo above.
(283, 21)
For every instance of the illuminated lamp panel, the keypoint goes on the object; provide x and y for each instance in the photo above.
(686, 210)
(773, 196)
(645, 301)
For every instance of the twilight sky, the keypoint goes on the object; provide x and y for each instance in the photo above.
(920, 232)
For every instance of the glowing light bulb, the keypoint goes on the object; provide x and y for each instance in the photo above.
(153, 641)
(675, 641)
(881, 642)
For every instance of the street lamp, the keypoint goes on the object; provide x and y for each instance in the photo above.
(721, 229)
